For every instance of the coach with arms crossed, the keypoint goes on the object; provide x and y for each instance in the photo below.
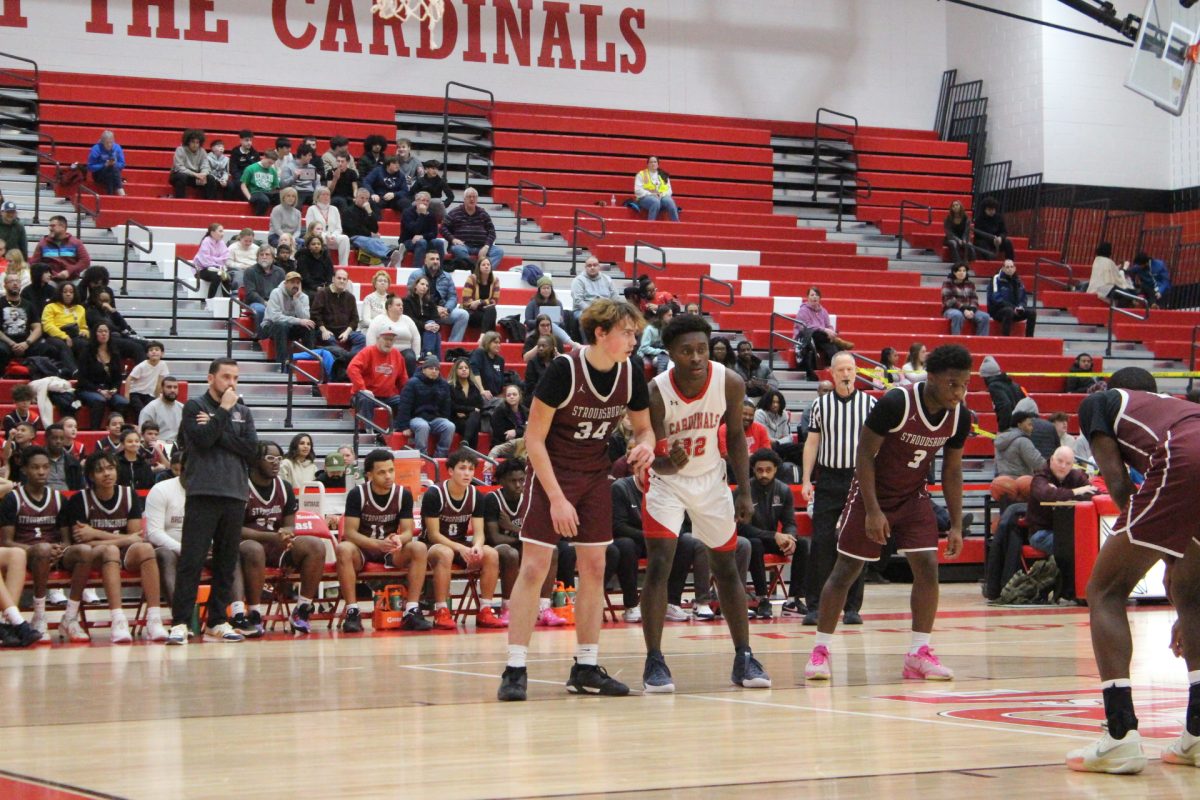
(219, 437)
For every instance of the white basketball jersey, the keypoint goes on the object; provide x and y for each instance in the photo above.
(694, 422)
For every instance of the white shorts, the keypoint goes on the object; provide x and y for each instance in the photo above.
(707, 501)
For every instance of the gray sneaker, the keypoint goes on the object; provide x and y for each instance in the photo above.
(656, 677)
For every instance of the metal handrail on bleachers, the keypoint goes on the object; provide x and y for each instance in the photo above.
(487, 174)
(522, 198)
(1115, 295)
(849, 132)
(486, 108)
(234, 320)
(39, 158)
(577, 229)
(369, 421)
(859, 183)
(1038, 277)
(125, 251)
(80, 209)
(33, 82)
(176, 282)
(774, 334)
(722, 303)
(660, 266)
(293, 367)
(904, 206)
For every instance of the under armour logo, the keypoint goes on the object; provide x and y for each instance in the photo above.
(674, 402)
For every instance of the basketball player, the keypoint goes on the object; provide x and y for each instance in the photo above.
(378, 527)
(108, 518)
(578, 401)
(1130, 426)
(502, 530)
(269, 539)
(901, 438)
(14, 630)
(452, 521)
(688, 403)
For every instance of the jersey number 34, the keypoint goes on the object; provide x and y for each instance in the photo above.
(587, 431)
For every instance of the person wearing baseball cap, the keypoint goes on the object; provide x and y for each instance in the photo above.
(377, 375)
(425, 408)
(287, 318)
(433, 183)
(12, 231)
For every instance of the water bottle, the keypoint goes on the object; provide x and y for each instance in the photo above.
(487, 473)
(613, 200)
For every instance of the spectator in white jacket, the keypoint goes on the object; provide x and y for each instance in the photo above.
(1106, 275)
(164, 526)
(324, 212)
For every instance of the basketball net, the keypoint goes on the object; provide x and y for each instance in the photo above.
(421, 10)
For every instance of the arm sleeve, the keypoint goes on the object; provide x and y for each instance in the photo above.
(8, 510)
(406, 504)
(431, 504)
(491, 508)
(887, 413)
(639, 397)
(156, 511)
(354, 504)
(74, 512)
(292, 505)
(1097, 413)
(137, 508)
(555, 384)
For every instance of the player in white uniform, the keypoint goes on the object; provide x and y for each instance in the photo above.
(688, 404)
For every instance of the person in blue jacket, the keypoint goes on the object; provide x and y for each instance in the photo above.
(106, 162)
(387, 187)
(1151, 278)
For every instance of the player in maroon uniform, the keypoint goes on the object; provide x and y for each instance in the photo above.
(888, 499)
(269, 539)
(578, 401)
(31, 520)
(452, 520)
(1159, 436)
(108, 518)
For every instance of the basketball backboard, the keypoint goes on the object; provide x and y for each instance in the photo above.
(1164, 54)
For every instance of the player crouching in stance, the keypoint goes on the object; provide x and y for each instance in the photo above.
(688, 404)
(901, 438)
(580, 398)
(1129, 425)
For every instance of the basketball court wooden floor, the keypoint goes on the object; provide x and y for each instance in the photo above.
(403, 716)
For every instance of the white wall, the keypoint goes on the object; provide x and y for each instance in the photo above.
(768, 59)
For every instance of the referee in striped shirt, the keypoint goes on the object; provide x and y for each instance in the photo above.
(831, 446)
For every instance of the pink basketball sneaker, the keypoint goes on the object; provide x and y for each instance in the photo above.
(548, 619)
(817, 668)
(923, 665)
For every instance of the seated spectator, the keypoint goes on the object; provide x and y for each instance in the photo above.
(106, 162)
(410, 165)
(387, 187)
(432, 183)
(377, 373)
(444, 295)
(63, 253)
(299, 465)
(652, 188)
(651, 348)
(329, 217)
(66, 472)
(1084, 384)
(1045, 435)
(211, 261)
(241, 159)
(422, 309)
(17, 265)
(362, 226)
(1107, 276)
(146, 377)
(335, 311)
(218, 169)
(757, 437)
(1060, 420)
(772, 530)
(487, 367)
(425, 409)
(259, 281)
(1150, 278)
(814, 328)
(303, 173)
(65, 319)
(164, 524)
(114, 423)
(93, 280)
(338, 146)
(22, 333)
(373, 304)
(542, 354)
(772, 414)
(960, 304)
(543, 327)
(285, 253)
(754, 371)
(100, 377)
(480, 295)
(466, 403)
(891, 372)
(629, 546)
(13, 453)
(1004, 391)
(991, 234)
(154, 452)
(125, 340)
(333, 476)
(645, 295)
(1058, 481)
(12, 230)
(589, 287)
(545, 296)
(133, 471)
(287, 318)
(260, 183)
(71, 428)
(958, 234)
(510, 417)
(419, 229)
(190, 167)
(285, 217)
(165, 411)
(23, 410)
(1015, 453)
(41, 289)
(342, 181)
(283, 148)
(313, 263)
(913, 369)
(471, 232)
(1006, 300)
(408, 335)
(374, 146)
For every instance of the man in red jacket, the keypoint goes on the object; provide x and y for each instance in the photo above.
(377, 372)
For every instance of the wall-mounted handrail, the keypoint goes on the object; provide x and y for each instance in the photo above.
(1192, 356)
(176, 282)
(1038, 277)
(659, 266)
(369, 421)
(1115, 295)
(904, 206)
(487, 162)
(145, 248)
(577, 229)
(723, 303)
(40, 158)
(859, 183)
(774, 334)
(523, 198)
(80, 209)
(293, 367)
(437, 469)
(235, 321)
(848, 132)
(486, 108)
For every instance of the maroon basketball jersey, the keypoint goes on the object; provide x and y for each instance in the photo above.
(112, 516)
(380, 522)
(902, 464)
(578, 438)
(37, 522)
(265, 513)
(1143, 421)
(455, 519)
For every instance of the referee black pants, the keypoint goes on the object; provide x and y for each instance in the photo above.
(829, 498)
(214, 522)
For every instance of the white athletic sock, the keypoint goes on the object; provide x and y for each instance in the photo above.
(304, 601)
(587, 654)
(1123, 683)
(1194, 677)
(543, 604)
(436, 606)
(494, 603)
(517, 654)
(154, 615)
(39, 606)
(13, 615)
(919, 640)
(411, 606)
(237, 607)
(118, 614)
(72, 609)
(824, 640)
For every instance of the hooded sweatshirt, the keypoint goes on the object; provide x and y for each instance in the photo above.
(1045, 435)
(1016, 455)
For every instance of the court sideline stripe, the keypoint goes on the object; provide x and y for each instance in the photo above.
(16, 786)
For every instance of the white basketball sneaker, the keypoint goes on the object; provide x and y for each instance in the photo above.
(1185, 750)
(1114, 756)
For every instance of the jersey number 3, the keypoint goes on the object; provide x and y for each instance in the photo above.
(918, 457)
(586, 431)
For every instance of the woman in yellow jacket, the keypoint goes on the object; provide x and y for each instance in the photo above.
(652, 187)
(64, 318)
